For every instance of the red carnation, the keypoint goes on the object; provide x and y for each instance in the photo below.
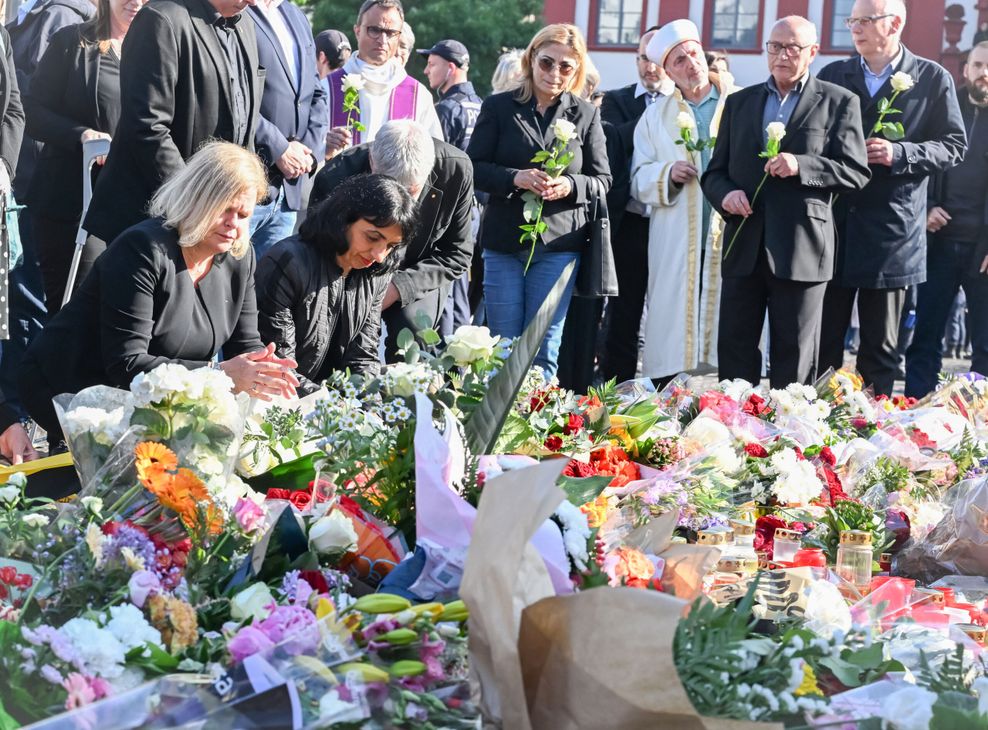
(277, 493)
(756, 406)
(765, 528)
(7, 574)
(573, 425)
(579, 469)
(834, 487)
(300, 498)
(827, 456)
(756, 450)
(554, 442)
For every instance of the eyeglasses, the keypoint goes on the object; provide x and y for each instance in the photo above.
(547, 64)
(865, 20)
(376, 31)
(774, 48)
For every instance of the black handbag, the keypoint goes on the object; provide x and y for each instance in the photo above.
(597, 276)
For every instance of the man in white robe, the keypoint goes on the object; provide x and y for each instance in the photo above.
(388, 92)
(684, 233)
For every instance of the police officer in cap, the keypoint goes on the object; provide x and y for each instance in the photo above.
(458, 106)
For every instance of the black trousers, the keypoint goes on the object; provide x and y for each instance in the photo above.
(423, 313)
(624, 312)
(579, 344)
(56, 245)
(794, 326)
(879, 311)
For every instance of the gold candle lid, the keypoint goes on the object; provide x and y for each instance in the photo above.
(782, 533)
(976, 632)
(855, 537)
(743, 527)
(714, 537)
(936, 597)
(885, 558)
(737, 565)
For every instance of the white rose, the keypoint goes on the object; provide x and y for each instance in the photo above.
(564, 130)
(35, 520)
(332, 533)
(707, 431)
(902, 81)
(776, 131)
(684, 120)
(251, 602)
(9, 494)
(910, 708)
(92, 504)
(469, 344)
(353, 82)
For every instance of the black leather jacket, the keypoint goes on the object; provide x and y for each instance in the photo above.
(314, 314)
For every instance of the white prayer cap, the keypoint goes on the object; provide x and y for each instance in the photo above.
(669, 36)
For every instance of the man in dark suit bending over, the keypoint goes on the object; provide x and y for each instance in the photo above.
(784, 254)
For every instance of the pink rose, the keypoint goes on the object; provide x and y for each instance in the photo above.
(248, 513)
(142, 584)
(248, 641)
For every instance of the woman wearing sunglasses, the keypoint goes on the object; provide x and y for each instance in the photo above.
(512, 127)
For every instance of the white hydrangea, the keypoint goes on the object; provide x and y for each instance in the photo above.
(100, 652)
(796, 482)
(130, 628)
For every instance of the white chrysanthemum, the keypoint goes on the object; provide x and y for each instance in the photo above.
(131, 629)
(796, 481)
(576, 532)
(100, 652)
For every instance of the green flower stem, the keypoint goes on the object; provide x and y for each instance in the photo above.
(881, 117)
(43, 579)
(735, 236)
(535, 236)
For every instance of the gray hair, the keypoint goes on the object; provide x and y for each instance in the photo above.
(507, 75)
(407, 36)
(403, 150)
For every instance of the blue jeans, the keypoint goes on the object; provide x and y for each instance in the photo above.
(270, 223)
(512, 297)
(949, 266)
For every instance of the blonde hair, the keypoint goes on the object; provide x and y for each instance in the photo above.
(193, 198)
(566, 35)
(507, 75)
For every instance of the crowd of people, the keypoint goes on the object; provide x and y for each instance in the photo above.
(279, 204)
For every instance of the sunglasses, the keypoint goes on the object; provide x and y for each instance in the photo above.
(547, 64)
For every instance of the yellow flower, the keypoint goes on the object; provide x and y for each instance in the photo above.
(596, 511)
(134, 562)
(809, 685)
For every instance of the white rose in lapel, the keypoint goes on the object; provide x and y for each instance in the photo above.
(332, 533)
(776, 131)
(564, 130)
(353, 82)
(902, 82)
(684, 120)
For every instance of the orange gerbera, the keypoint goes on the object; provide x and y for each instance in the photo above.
(153, 462)
(633, 567)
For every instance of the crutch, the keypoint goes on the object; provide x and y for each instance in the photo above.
(91, 149)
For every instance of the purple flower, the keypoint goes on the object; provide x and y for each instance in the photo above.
(142, 584)
(133, 538)
(292, 626)
(378, 627)
(247, 642)
(51, 674)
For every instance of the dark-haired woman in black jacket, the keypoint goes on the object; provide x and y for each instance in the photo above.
(319, 293)
(74, 97)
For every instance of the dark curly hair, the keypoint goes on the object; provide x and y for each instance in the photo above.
(378, 199)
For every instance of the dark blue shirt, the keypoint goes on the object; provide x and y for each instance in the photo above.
(777, 107)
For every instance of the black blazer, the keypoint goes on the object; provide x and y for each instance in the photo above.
(792, 216)
(61, 105)
(174, 97)
(290, 110)
(620, 111)
(11, 111)
(138, 308)
(883, 227)
(443, 246)
(504, 141)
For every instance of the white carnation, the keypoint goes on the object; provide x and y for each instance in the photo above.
(100, 652)
(131, 629)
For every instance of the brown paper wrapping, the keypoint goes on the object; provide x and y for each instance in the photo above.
(602, 658)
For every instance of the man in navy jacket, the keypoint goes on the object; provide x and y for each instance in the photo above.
(291, 133)
(882, 228)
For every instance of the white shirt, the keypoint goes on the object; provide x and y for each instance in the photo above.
(289, 47)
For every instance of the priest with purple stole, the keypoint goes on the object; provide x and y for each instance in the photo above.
(384, 90)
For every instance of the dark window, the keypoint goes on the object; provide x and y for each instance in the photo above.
(618, 22)
(736, 24)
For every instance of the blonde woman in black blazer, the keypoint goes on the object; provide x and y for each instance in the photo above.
(74, 97)
(511, 128)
